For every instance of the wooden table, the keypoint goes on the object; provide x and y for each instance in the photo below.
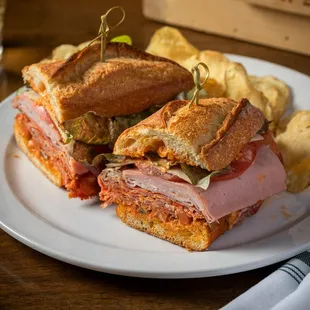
(30, 280)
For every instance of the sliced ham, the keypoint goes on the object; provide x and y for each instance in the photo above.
(75, 177)
(49, 148)
(76, 167)
(115, 190)
(41, 121)
(264, 178)
(26, 103)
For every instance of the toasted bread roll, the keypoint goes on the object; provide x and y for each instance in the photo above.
(181, 133)
(197, 236)
(128, 82)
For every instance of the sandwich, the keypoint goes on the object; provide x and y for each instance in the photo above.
(188, 173)
(73, 110)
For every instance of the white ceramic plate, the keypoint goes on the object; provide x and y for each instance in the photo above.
(40, 215)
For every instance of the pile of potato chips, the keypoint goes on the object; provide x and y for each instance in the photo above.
(230, 79)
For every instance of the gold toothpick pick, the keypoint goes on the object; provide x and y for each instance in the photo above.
(198, 85)
(105, 29)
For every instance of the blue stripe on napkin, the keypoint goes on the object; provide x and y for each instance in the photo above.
(304, 257)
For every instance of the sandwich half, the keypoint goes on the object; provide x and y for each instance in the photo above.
(74, 109)
(188, 174)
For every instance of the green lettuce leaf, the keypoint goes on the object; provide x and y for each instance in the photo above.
(205, 182)
(133, 119)
(202, 183)
(90, 128)
(180, 174)
(112, 158)
(87, 155)
(124, 163)
(81, 152)
(121, 123)
(99, 160)
(122, 39)
(195, 174)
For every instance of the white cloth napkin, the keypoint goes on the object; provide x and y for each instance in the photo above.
(285, 289)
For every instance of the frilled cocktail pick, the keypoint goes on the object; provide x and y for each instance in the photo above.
(198, 84)
(105, 29)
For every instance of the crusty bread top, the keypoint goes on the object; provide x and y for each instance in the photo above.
(209, 135)
(129, 81)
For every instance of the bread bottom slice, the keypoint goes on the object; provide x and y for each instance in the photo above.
(35, 157)
(197, 236)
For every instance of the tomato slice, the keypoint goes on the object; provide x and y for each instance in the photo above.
(240, 164)
(247, 156)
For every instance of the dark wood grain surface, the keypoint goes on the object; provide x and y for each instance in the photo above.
(30, 280)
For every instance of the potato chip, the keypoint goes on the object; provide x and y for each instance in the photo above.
(170, 43)
(298, 177)
(276, 92)
(64, 51)
(217, 63)
(238, 86)
(295, 147)
(189, 63)
(83, 45)
(283, 124)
